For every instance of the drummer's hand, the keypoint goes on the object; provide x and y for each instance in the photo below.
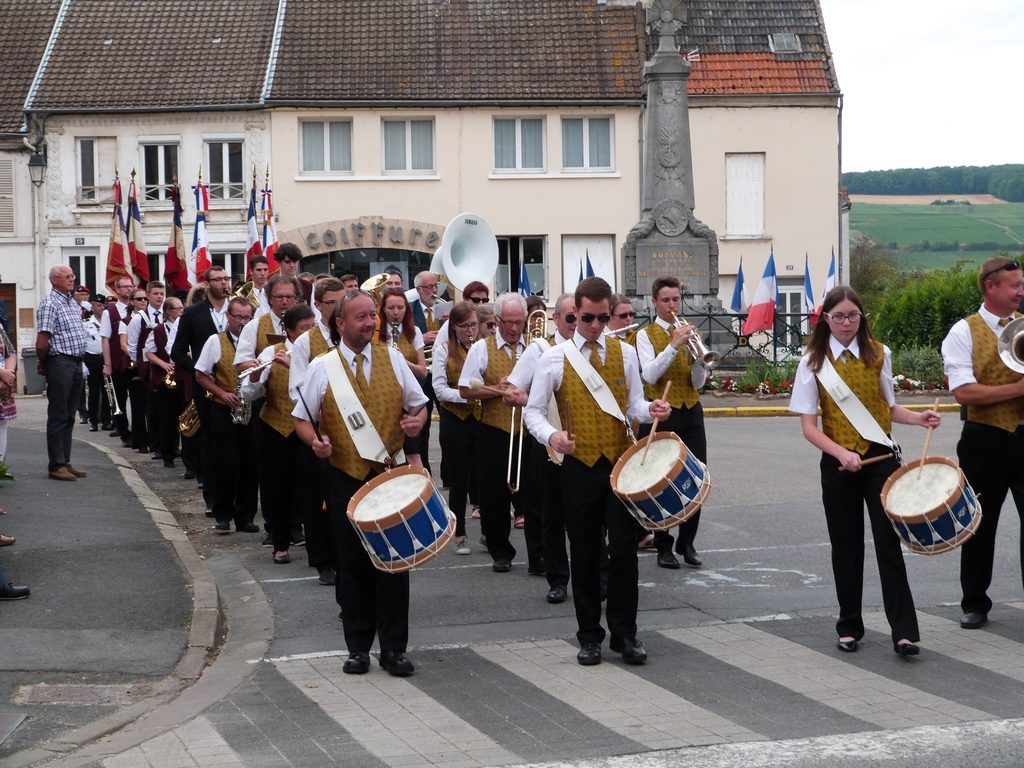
(929, 419)
(412, 424)
(322, 447)
(563, 443)
(660, 410)
(515, 397)
(850, 461)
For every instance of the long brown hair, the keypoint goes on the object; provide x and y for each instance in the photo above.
(408, 327)
(461, 312)
(818, 345)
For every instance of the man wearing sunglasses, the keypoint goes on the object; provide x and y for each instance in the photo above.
(991, 447)
(592, 440)
(664, 357)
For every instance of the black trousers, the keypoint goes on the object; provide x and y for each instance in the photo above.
(165, 405)
(120, 381)
(137, 391)
(495, 498)
(316, 520)
(279, 497)
(556, 558)
(993, 462)
(590, 507)
(844, 495)
(98, 405)
(373, 602)
(529, 500)
(232, 471)
(688, 423)
(458, 446)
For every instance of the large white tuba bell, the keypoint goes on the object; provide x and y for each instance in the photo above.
(1011, 345)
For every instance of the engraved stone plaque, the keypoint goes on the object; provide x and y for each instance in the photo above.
(688, 260)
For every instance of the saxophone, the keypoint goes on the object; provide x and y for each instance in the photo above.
(394, 335)
(242, 413)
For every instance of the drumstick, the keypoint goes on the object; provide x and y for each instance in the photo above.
(654, 426)
(316, 430)
(568, 421)
(479, 384)
(927, 441)
(872, 460)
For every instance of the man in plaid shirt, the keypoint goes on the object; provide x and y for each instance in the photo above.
(60, 347)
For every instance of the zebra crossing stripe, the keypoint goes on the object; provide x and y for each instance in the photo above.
(196, 743)
(614, 697)
(391, 718)
(830, 681)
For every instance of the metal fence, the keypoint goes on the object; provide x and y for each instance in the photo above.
(721, 331)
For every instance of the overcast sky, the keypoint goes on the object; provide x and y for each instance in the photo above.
(929, 82)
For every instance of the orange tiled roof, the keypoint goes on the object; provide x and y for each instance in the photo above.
(751, 73)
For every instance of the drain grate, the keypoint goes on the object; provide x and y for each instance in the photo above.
(84, 695)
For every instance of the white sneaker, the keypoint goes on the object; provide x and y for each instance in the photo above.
(461, 547)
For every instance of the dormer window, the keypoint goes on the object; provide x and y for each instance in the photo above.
(784, 42)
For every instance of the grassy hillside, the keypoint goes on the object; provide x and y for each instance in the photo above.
(936, 236)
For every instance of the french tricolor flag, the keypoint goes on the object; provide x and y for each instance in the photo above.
(252, 236)
(830, 283)
(739, 293)
(199, 259)
(762, 311)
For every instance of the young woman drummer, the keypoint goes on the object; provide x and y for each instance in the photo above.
(395, 312)
(848, 481)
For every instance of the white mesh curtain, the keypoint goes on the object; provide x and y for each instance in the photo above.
(313, 147)
(341, 146)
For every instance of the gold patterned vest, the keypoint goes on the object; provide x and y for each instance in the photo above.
(224, 372)
(405, 347)
(682, 393)
(383, 404)
(597, 434)
(864, 381)
(277, 409)
(317, 343)
(453, 370)
(990, 370)
(494, 412)
(264, 329)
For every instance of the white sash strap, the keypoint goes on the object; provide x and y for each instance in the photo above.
(853, 409)
(364, 435)
(593, 382)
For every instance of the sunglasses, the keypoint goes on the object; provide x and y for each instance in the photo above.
(570, 319)
(478, 300)
(586, 318)
(492, 325)
(625, 315)
(1009, 266)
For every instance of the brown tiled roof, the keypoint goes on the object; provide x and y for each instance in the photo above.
(718, 73)
(155, 54)
(24, 29)
(459, 50)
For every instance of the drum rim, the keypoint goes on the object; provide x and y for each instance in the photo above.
(398, 515)
(664, 482)
(930, 514)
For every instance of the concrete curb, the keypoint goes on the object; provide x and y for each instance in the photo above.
(781, 410)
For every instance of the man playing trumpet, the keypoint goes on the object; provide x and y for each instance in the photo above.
(661, 361)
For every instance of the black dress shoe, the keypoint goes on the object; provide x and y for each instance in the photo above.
(268, 540)
(106, 426)
(83, 420)
(557, 594)
(690, 557)
(222, 527)
(846, 646)
(357, 663)
(905, 649)
(537, 569)
(247, 528)
(589, 655)
(502, 566)
(667, 560)
(973, 620)
(169, 463)
(156, 456)
(94, 428)
(12, 592)
(283, 559)
(395, 664)
(115, 432)
(632, 650)
(189, 474)
(210, 512)
(327, 577)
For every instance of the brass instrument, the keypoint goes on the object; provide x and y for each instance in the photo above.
(536, 328)
(1010, 345)
(241, 413)
(108, 384)
(257, 368)
(374, 286)
(695, 345)
(169, 381)
(245, 291)
(394, 335)
(188, 421)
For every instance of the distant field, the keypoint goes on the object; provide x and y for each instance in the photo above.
(925, 235)
(925, 199)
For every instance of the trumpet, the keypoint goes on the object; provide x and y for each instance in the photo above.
(618, 331)
(108, 384)
(708, 358)
(536, 328)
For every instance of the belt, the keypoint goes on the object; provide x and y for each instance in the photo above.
(76, 358)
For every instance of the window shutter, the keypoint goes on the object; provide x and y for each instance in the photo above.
(6, 197)
(744, 194)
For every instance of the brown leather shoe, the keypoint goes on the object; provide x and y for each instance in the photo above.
(62, 473)
(77, 472)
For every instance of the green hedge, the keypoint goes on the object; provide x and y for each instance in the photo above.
(920, 313)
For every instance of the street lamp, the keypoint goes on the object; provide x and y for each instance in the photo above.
(37, 168)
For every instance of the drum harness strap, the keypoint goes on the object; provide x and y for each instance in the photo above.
(364, 435)
(595, 385)
(853, 409)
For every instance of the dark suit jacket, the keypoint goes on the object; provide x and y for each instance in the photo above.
(194, 328)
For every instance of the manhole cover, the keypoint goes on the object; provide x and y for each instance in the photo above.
(75, 694)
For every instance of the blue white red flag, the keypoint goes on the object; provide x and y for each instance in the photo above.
(524, 281)
(830, 283)
(136, 244)
(590, 268)
(117, 250)
(762, 311)
(199, 258)
(808, 297)
(253, 245)
(269, 232)
(739, 293)
(176, 260)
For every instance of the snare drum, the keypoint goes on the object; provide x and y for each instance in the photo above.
(934, 512)
(401, 518)
(666, 488)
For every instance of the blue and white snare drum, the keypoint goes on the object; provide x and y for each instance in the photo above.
(401, 518)
(933, 510)
(665, 488)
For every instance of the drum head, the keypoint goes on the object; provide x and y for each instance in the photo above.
(634, 474)
(391, 494)
(917, 492)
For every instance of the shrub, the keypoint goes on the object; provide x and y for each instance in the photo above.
(919, 364)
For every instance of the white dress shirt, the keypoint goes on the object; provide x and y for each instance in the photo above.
(476, 359)
(300, 358)
(522, 374)
(246, 349)
(958, 349)
(134, 327)
(93, 340)
(804, 399)
(172, 332)
(254, 390)
(653, 368)
(439, 373)
(210, 355)
(105, 330)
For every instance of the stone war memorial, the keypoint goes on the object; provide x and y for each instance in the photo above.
(669, 239)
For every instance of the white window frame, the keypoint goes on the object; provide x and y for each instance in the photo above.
(518, 167)
(326, 170)
(586, 167)
(87, 190)
(791, 292)
(161, 186)
(230, 190)
(408, 170)
(744, 195)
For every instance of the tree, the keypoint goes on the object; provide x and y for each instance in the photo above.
(921, 312)
(872, 271)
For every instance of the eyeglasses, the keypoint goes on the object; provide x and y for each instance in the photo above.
(240, 318)
(479, 300)
(221, 279)
(492, 325)
(138, 298)
(288, 296)
(570, 319)
(625, 315)
(586, 318)
(1009, 266)
(467, 326)
(430, 286)
(503, 321)
(843, 317)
